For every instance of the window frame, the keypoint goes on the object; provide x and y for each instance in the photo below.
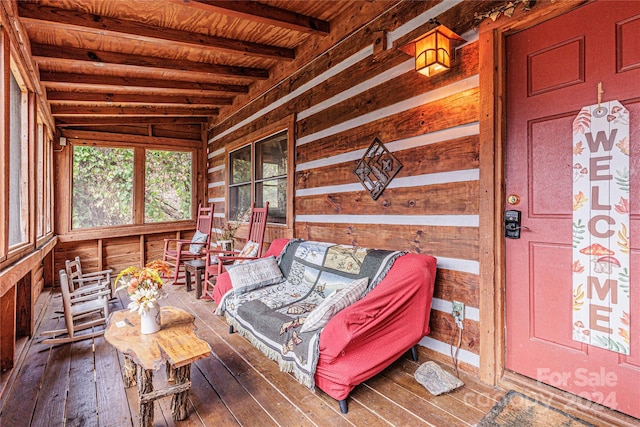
(193, 188)
(138, 226)
(285, 125)
(27, 172)
(43, 202)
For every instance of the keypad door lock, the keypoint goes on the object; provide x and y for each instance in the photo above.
(512, 225)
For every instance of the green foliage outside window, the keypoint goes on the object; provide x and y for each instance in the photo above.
(102, 186)
(168, 186)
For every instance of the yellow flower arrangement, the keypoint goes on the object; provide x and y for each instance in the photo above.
(144, 285)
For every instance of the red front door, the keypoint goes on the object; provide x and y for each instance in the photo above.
(553, 70)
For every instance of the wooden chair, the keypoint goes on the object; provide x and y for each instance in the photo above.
(216, 259)
(98, 279)
(177, 251)
(79, 304)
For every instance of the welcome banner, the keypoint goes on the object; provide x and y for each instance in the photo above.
(601, 226)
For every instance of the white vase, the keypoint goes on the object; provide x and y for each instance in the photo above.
(150, 320)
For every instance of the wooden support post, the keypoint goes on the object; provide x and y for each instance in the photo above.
(129, 374)
(145, 387)
(179, 409)
(170, 373)
(100, 255)
(142, 251)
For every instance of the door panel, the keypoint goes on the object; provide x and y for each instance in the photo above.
(553, 70)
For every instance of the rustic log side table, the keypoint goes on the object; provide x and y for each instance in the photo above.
(176, 346)
(195, 267)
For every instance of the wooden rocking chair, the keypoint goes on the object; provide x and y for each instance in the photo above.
(78, 304)
(177, 251)
(216, 259)
(97, 279)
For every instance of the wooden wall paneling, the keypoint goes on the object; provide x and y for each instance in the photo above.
(111, 253)
(24, 307)
(185, 131)
(154, 246)
(48, 270)
(217, 176)
(456, 198)
(122, 252)
(404, 87)
(142, 250)
(454, 110)
(37, 279)
(86, 250)
(100, 255)
(446, 156)
(443, 328)
(453, 285)
(7, 328)
(453, 242)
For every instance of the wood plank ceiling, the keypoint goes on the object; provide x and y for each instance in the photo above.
(162, 61)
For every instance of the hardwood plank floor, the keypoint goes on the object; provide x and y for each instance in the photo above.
(80, 384)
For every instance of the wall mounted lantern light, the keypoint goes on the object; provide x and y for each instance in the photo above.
(435, 51)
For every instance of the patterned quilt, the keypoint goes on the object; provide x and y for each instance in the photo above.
(271, 317)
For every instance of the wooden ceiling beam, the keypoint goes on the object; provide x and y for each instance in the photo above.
(137, 31)
(57, 97)
(91, 137)
(261, 13)
(49, 79)
(67, 121)
(41, 52)
(152, 110)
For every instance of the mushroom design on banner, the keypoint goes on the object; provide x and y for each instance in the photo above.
(602, 258)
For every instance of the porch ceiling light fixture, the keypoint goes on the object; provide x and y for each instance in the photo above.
(435, 51)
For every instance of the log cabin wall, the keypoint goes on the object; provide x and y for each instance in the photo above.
(360, 86)
(120, 247)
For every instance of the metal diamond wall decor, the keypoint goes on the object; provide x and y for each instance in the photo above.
(377, 168)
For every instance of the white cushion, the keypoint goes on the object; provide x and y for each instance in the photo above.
(333, 303)
(250, 250)
(254, 274)
(198, 237)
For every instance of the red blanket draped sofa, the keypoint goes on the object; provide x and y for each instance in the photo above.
(367, 336)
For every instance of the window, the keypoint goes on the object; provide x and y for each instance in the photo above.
(40, 183)
(102, 186)
(44, 181)
(267, 182)
(239, 181)
(18, 166)
(105, 186)
(167, 195)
